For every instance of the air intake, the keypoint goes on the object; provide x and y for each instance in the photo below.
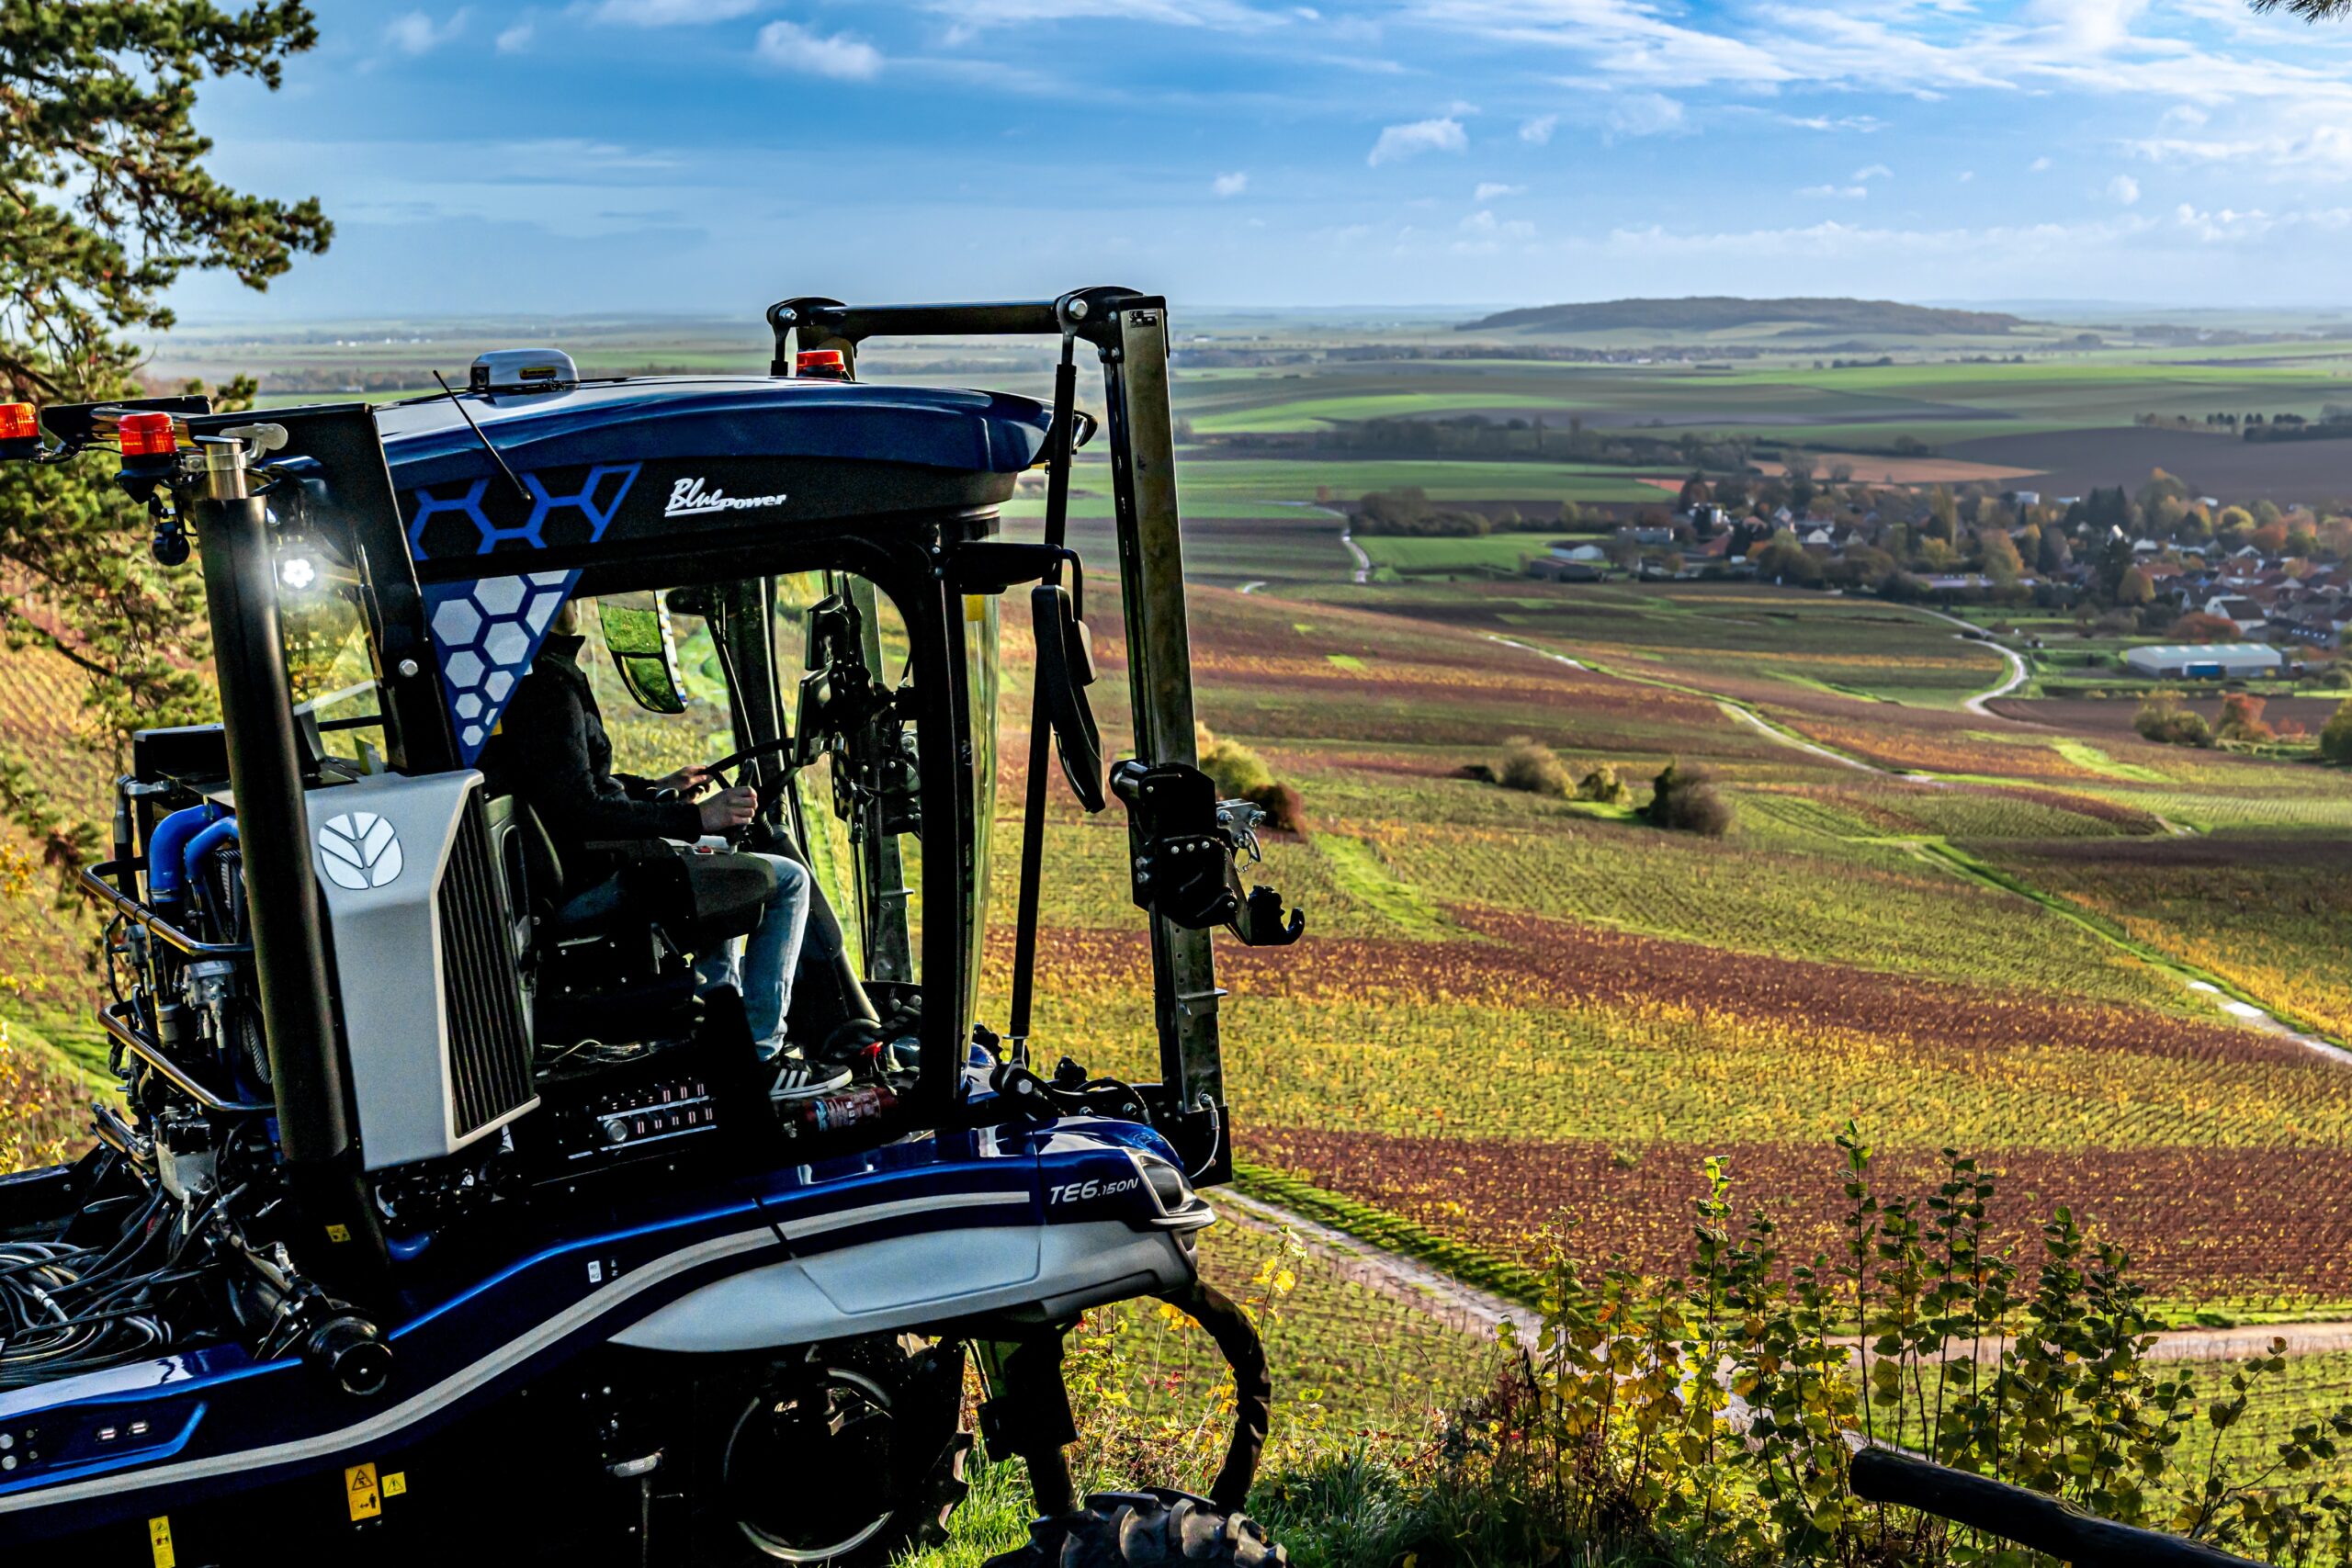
(488, 1038)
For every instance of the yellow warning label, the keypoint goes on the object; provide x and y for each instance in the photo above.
(396, 1484)
(360, 1491)
(159, 1542)
(338, 1232)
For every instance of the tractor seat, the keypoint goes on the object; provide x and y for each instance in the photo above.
(617, 968)
(697, 900)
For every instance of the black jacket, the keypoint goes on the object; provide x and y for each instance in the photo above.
(552, 750)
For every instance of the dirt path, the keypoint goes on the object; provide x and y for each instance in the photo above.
(2018, 674)
(1415, 1285)
(1734, 711)
(1539, 653)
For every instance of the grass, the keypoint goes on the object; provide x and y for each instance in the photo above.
(2084, 754)
(1358, 870)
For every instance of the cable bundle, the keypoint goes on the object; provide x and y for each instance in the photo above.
(67, 1310)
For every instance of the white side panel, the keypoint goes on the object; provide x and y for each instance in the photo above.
(380, 845)
(884, 1286)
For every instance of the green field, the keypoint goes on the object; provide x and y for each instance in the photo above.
(1953, 928)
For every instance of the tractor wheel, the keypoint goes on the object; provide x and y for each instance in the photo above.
(1158, 1528)
(839, 1459)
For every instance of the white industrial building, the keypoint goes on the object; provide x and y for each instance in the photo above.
(2205, 661)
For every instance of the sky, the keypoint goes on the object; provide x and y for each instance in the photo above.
(707, 156)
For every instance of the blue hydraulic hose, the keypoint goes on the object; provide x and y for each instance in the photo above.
(204, 843)
(167, 863)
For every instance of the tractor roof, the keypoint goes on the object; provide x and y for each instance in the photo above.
(704, 417)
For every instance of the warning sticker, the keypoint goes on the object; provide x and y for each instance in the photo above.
(396, 1484)
(360, 1491)
(159, 1542)
(338, 1232)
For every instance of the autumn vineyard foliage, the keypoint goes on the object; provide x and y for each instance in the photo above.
(1523, 1025)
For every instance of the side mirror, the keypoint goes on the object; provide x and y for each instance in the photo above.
(1065, 668)
(638, 635)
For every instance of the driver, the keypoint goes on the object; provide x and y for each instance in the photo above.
(551, 750)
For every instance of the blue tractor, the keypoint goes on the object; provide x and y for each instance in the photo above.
(444, 1216)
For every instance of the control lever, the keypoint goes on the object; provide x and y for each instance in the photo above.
(1185, 847)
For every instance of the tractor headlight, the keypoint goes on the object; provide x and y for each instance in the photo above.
(298, 572)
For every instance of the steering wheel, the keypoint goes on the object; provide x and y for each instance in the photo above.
(734, 759)
(728, 764)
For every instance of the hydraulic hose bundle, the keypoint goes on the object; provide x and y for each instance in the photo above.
(66, 1309)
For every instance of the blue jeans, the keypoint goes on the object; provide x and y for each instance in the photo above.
(761, 965)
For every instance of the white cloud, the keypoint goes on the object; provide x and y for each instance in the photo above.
(970, 17)
(2037, 166)
(1840, 193)
(1421, 136)
(1484, 234)
(1870, 172)
(1233, 184)
(2088, 26)
(1966, 175)
(788, 46)
(1861, 122)
(2224, 223)
(1539, 129)
(415, 33)
(2319, 152)
(516, 38)
(1645, 114)
(2114, 49)
(556, 157)
(665, 13)
(1489, 190)
(2184, 114)
(2123, 190)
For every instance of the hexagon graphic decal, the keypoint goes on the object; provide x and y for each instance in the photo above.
(486, 632)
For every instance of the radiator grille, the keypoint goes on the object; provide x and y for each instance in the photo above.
(490, 1043)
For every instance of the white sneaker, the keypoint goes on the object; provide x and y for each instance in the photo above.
(796, 1079)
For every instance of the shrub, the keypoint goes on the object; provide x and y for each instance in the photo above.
(2198, 626)
(2335, 739)
(2161, 719)
(1534, 767)
(2242, 718)
(1600, 1420)
(1240, 773)
(1685, 799)
(1407, 513)
(1602, 784)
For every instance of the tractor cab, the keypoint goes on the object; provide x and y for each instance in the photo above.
(447, 1075)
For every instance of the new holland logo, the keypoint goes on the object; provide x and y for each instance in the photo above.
(359, 850)
(690, 498)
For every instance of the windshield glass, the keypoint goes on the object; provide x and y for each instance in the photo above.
(329, 667)
(861, 818)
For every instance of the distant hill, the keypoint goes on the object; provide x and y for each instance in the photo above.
(1713, 313)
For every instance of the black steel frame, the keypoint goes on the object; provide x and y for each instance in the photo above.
(1129, 332)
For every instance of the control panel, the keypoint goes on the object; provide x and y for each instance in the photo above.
(611, 1123)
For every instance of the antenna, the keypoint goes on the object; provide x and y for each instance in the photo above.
(521, 494)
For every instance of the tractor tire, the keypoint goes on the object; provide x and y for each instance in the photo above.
(1156, 1528)
(756, 1519)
